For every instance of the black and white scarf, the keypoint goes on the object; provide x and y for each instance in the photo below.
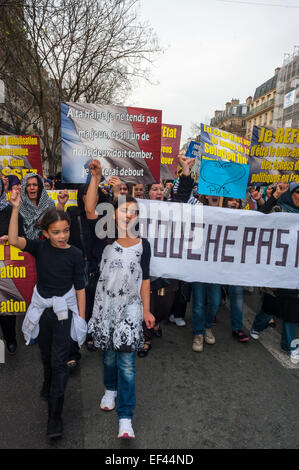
(32, 214)
(3, 201)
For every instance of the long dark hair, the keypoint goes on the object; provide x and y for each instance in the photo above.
(116, 204)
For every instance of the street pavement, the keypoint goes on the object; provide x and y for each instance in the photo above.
(231, 396)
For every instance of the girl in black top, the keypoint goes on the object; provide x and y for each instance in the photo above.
(59, 266)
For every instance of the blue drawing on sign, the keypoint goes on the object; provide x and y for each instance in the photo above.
(218, 175)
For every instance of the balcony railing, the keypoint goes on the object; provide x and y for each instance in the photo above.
(260, 108)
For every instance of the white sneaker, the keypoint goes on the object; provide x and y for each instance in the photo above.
(125, 430)
(294, 356)
(177, 321)
(254, 334)
(108, 400)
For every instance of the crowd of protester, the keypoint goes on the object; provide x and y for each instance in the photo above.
(107, 283)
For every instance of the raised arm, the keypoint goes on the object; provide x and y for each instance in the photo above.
(92, 193)
(281, 188)
(63, 197)
(13, 230)
(186, 181)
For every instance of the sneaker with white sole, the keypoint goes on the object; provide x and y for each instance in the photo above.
(108, 400)
(177, 321)
(254, 334)
(125, 430)
(209, 337)
(294, 356)
(197, 344)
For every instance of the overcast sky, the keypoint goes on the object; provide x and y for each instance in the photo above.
(215, 51)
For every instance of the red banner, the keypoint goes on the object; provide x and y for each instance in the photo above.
(20, 155)
(17, 280)
(170, 147)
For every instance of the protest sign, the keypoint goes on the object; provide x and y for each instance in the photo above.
(274, 156)
(17, 280)
(20, 155)
(219, 178)
(193, 150)
(170, 147)
(217, 144)
(72, 200)
(126, 140)
(223, 246)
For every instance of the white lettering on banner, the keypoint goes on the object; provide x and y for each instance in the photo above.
(225, 246)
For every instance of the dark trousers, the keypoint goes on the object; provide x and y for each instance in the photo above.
(8, 325)
(54, 342)
(160, 306)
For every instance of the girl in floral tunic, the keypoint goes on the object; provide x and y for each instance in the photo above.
(121, 304)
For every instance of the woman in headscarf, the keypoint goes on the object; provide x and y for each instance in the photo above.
(48, 184)
(284, 303)
(35, 202)
(8, 290)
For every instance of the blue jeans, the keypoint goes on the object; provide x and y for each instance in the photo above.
(288, 333)
(236, 298)
(119, 374)
(202, 315)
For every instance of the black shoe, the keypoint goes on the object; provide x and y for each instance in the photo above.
(12, 348)
(45, 391)
(55, 425)
(158, 332)
(90, 347)
(72, 365)
(54, 428)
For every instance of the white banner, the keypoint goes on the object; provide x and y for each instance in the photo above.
(222, 246)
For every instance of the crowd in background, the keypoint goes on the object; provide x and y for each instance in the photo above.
(169, 298)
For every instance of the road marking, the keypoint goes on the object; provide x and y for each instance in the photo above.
(269, 338)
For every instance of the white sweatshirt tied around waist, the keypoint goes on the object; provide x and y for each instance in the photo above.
(61, 306)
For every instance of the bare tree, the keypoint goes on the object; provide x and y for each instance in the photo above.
(72, 50)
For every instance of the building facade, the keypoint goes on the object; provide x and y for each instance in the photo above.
(261, 106)
(232, 119)
(286, 107)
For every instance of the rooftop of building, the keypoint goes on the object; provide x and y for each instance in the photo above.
(266, 87)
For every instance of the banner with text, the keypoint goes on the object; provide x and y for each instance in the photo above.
(223, 246)
(274, 156)
(126, 140)
(17, 280)
(170, 148)
(217, 144)
(72, 200)
(20, 155)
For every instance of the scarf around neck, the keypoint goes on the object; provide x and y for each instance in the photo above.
(32, 214)
(3, 201)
